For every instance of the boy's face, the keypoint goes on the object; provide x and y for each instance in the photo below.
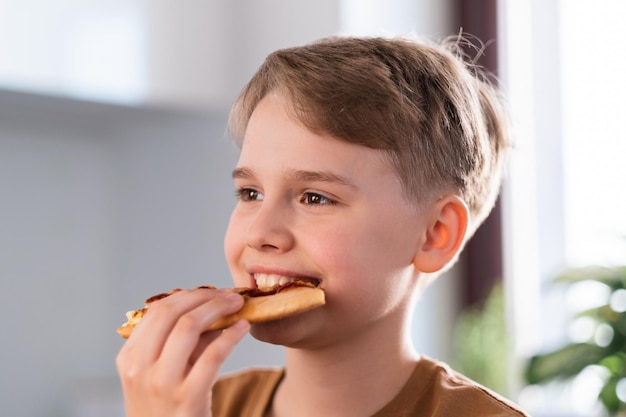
(315, 207)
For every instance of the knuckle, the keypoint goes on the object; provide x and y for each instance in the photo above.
(180, 397)
(123, 362)
(187, 322)
(120, 362)
(160, 385)
(129, 373)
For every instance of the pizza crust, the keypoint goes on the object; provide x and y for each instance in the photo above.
(259, 305)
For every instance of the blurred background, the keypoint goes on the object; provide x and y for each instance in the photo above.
(115, 184)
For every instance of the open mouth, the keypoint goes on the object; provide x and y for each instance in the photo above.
(265, 281)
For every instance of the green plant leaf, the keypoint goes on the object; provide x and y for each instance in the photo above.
(614, 277)
(563, 363)
(615, 364)
(608, 396)
(602, 313)
(570, 360)
(481, 344)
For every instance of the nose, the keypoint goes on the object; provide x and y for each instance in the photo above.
(270, 229)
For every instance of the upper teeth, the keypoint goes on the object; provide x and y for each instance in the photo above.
(269, 280)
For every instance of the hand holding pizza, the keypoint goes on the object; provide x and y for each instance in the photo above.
(169, 365)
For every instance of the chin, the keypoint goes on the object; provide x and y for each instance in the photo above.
(293, 332)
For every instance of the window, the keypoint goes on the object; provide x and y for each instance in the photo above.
(594, 134)
(94, 51)
(565, 198)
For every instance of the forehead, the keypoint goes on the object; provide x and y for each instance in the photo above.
(274, 125)
(274, 139)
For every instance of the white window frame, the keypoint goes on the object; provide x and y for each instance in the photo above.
(534, 198)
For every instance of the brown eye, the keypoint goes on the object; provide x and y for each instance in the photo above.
(249, 194)
(315, 199)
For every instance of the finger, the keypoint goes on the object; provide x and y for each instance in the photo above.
(205, 340)
(206, 369)
(150, 335)
(189, 328)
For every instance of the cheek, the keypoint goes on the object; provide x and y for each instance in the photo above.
(363, 284)
(362, 259)
(233, 245)
(344, 255)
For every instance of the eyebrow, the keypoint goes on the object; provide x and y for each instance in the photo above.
(243, 173)
(300, 176)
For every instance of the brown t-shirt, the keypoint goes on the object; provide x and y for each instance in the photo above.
(433, 390)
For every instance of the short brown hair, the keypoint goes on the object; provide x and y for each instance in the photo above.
(436, 115)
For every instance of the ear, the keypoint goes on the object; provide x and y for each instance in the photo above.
(444, 235)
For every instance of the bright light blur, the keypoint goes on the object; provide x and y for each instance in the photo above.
(563, 65)
(88, 50)
(593, 86)
(594, 146)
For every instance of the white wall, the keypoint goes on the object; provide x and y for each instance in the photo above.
(56, 253)
(191, 54)
(206, 51)
(195, 54)
(100, 206)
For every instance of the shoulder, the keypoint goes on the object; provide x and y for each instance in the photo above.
(249, 378)
(455, 394)
(244, 391)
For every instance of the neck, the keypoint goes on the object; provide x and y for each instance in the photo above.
(357, 377)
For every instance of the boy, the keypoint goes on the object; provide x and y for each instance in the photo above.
(365, 166)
